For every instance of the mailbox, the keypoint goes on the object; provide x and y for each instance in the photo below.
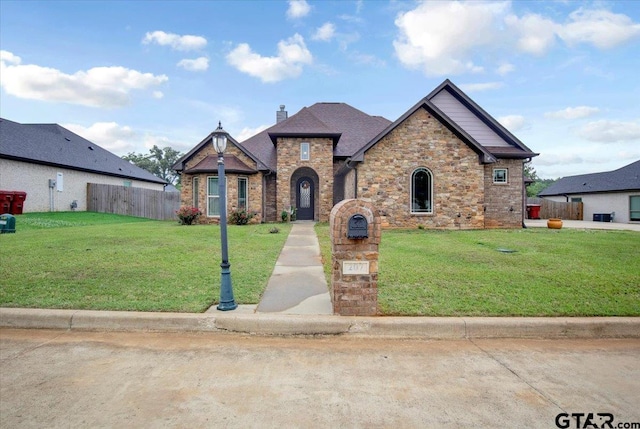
(358, 227)
(7, 223)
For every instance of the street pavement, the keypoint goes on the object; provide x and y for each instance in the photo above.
(65, 379)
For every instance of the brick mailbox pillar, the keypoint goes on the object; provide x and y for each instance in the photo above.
(355, 236)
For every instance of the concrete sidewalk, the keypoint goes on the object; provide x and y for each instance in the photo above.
(298, 285)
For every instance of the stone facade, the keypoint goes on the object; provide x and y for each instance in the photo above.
(458, 177)
(320, 163)
(504, 201)
(254, 185)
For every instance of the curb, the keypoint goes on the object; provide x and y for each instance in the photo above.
(441, 328)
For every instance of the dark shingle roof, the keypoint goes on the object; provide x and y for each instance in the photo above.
(51, 144)
(626, 178)
(351, 128)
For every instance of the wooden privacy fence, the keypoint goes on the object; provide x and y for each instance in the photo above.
(131, 201)
(554, 209)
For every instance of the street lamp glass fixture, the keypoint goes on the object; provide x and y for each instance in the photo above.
(219, 139)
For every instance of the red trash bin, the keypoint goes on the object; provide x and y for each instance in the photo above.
(6, 197)
(17, 204)
(534, 211)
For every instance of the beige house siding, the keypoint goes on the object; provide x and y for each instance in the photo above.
(504, 202)
(422, 141)
(34, 180)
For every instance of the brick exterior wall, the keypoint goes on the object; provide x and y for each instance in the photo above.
(320, 161)
(458, 177)
(254, 185)
(504, 202)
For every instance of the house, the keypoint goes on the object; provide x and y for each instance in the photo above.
(53, 166)
(445, 163)
(615, 193)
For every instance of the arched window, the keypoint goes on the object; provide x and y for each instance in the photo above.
(421, 191)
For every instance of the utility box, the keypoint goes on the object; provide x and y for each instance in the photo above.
(7, 223)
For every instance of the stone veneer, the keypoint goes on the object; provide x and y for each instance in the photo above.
(320, 161)
(458, 177)
(504, 202)
(254, 185)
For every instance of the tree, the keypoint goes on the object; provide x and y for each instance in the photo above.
(538, 184)
(158, 162)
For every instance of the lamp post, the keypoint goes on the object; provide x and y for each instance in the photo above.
(227, 301)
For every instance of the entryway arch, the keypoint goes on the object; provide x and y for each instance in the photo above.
(305, 193)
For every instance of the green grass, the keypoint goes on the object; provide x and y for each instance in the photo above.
(99, 261)
(551, 273)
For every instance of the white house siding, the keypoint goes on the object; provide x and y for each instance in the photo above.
(467, 120)
(617, 202)
(34, 180)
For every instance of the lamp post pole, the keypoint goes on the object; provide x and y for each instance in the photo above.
(227, 301)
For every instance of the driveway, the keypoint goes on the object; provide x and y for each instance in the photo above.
(88, 379)
(584, 224)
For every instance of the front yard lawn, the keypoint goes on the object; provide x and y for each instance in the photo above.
(99, 261)
(550, 273)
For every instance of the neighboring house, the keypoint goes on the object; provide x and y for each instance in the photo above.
(445, 163)
(53, 166)
(613, 192)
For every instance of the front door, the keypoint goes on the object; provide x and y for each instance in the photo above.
(304, 199)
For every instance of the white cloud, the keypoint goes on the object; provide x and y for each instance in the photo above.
(247, 132)
(512, 122)
(505, 68)
(198, 64)
(601, 28)
(298, 9)
(158, 95)
(428, 39)
(573, 112)
(477, 87)
(607, 131)
(292, 56)
(109, 135)
(325, 33)
(175, 41)
(96, 87)
(534, 33)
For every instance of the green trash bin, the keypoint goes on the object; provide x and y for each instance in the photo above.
(7, 223)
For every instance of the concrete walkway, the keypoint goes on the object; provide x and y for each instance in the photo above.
(584, 224)
(298, 284)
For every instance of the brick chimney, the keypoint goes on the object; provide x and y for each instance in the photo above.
(281, 115)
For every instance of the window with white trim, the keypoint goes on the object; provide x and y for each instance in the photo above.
(305, 154)
(213, 197)
(500, 175)
(421, 191)
(634, 208)
(195, 184)
(242, 193)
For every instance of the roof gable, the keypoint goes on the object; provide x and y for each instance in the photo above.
(626, 178)
(302, 124)
(51, 144)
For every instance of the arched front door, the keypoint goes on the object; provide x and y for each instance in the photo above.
(304, 199)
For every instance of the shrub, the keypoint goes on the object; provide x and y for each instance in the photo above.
(240, 217)
(188, 215)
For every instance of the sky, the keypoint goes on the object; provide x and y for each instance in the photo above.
(563, 76)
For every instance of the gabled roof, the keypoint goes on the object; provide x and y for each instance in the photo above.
(231, 165)
(179, 165)
(349, 127)
(626, 178)
(51, 144)
(507, 145)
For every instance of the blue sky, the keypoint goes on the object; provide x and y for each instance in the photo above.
(561, 75)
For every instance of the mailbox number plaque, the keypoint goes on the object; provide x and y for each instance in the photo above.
(355, 267)
(357, 227)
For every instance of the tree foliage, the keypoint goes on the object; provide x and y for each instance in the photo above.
(158, 162)
(538, 184)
